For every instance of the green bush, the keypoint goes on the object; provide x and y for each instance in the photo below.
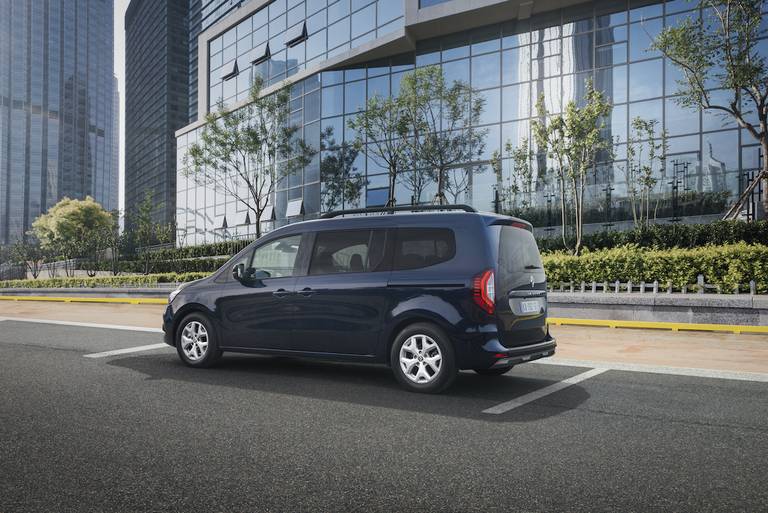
(726, 266)
(104, 281)
(196, 265)
(663, 236)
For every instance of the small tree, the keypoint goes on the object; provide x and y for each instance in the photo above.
(145, 233)
(516, 194)
(338, 173)
(27, 251)
(721, 50)
(441, 118)
(384, 126)
(68, 227)
(572, 141)
(239, 149)
(646, 152)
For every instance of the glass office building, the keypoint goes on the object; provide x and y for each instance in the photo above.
(58, 111)
(339, 54)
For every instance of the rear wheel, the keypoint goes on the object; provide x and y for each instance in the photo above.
(196, 341)
(494, 372)
(422, 359)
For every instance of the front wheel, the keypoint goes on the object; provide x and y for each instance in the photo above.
(422, 359)
(196, 341)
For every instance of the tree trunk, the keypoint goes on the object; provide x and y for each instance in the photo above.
(391, 201)
(765, 175)
(440, 196)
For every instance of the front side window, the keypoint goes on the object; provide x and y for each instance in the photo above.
(348, 251)
(422, 247)
(277, 257)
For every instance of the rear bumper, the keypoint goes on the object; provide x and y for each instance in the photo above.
(490, 353)
(518, 355)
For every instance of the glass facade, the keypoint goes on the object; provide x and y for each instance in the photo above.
(58, 109)
(287, 36)
(156, 102)
(510, 64)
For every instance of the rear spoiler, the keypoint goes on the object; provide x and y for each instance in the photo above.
(512, 221)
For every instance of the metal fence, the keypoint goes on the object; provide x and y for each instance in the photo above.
(617, 287)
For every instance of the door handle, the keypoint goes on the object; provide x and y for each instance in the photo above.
(281, 293)
(306, 292)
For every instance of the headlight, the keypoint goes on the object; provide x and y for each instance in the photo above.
(173, 294)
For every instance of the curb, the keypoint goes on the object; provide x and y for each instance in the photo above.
(674, 326)
(75, 299)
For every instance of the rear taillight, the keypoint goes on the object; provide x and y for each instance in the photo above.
(484, 291)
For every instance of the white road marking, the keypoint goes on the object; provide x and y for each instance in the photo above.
(657, 369)
(127, 350)
(538, 394)
(85, 324)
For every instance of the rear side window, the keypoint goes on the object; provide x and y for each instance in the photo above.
(347, 251)
(421, 247)
(518, 252)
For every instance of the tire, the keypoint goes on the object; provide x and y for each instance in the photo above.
(429, 364)
(196, 341)
(494, 372)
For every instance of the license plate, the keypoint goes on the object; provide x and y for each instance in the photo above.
(530, 307)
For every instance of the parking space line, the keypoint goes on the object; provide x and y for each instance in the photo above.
(84, 324)
(127, 350)
(538, 394)
(657, 369)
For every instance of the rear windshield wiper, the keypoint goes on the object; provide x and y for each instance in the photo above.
(528, 267)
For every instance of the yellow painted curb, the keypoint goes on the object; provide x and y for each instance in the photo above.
(674, 326)
(64, 299)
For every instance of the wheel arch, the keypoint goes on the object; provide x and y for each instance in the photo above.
(401, 322)
(190, 308)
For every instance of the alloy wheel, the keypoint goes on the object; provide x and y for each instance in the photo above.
(420, 359)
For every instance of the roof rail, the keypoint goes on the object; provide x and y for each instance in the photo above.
(392, 210)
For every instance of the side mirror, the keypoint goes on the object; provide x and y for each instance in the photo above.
(260, 275)
(238, 272)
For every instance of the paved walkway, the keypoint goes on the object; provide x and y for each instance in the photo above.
(701, 350)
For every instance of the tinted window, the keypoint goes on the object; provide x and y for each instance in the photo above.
(422, 247)
(518, 251)
(348, 251)
(277, 257)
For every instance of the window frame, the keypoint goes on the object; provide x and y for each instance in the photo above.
(396, 239)
(386, 261)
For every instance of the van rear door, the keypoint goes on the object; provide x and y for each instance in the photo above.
(521, 288)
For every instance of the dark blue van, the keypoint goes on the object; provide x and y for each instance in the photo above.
(425, 290)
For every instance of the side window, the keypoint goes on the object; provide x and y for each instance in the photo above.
(277, 257)
(348, 251)
(422, 247)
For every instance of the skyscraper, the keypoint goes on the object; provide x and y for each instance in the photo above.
(156, 101)
(57, 108)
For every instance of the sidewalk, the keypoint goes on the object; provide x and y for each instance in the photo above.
(701, 350)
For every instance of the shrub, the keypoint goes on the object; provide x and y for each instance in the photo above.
(726, 266)
(663, 236)
(104, 281)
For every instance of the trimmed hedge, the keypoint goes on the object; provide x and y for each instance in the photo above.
(104, 281)
(196, 265)
(663, 236)
(726, 266)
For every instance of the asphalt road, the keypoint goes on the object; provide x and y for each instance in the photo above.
(141, 432)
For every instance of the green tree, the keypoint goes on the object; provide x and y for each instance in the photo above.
(146, 233)
(720, 50)
(339, 176)
(240, 151)
(383, 125)
(441, 117)
(515, 195)
(28, 252)
(646, 154)
(68, 227)
(572, 142)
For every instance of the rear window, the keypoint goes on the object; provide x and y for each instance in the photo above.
(422, 247)
(518, 252)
